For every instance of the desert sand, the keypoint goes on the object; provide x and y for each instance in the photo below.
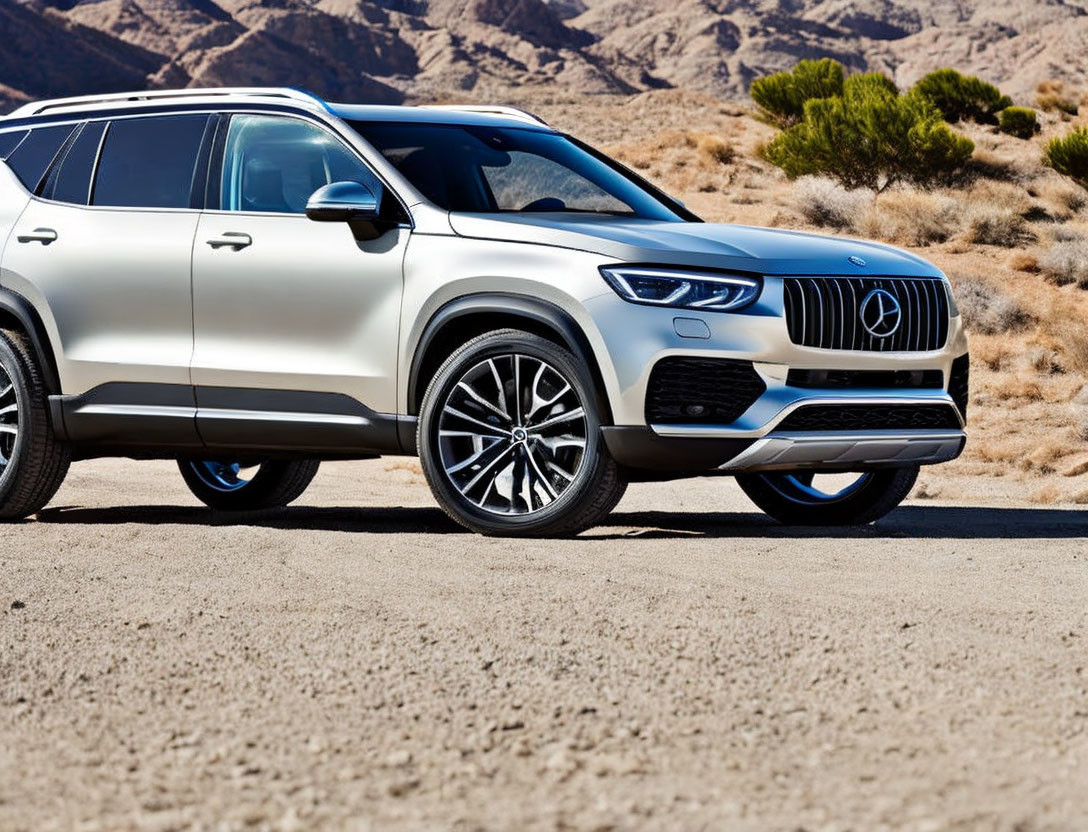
(357, 662)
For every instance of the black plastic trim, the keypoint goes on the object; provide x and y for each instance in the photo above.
(22, 310)
(641, 449)
(163, 420)
(520, 306)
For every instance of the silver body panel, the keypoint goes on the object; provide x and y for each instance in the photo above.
(139, 296)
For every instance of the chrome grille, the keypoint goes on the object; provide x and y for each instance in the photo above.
(825, 312)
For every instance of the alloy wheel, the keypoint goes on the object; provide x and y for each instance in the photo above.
(9, 419)
(512, 434)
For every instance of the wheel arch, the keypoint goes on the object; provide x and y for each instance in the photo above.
(16, 312)
(461, 320)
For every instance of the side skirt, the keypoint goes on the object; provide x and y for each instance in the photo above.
(168, 420)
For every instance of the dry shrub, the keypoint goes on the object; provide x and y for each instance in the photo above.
(1055, 95)
(994, 353)
(999, 196)
(1064, 199)
(1024, 262)
(987, 164)
(986, 309)
(1042, 359)
(715, 149)
(998, 227)
(1080, 412)
(1046, 496)
(910, 217)
(1066, 262)
(1016, 387)
(823, 201)
(1043, 458)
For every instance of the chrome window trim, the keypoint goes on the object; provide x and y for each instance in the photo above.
(344, 135)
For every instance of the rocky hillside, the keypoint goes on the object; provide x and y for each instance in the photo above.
(388, 49)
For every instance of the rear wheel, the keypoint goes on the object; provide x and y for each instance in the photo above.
(807, 498)
(236, 486)
(33, 463)
(509, 439)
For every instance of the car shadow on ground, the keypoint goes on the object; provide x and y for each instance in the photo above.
(917, 522)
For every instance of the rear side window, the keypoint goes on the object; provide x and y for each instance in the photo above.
(149, 162)
(70, 180)
(31, 159)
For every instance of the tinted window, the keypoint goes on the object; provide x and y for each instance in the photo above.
(70, 180)
(504, 169)
(31, 159)
(10, 141)
(273, 165)
(149, 162)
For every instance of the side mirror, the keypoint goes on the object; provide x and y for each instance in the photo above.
(342, 202)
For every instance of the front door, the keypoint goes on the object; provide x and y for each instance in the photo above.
(295, 321)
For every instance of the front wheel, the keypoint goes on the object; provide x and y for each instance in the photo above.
(806, 498)
(509, 439)
(234, 486)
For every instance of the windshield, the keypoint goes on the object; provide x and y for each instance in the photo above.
(491, 170)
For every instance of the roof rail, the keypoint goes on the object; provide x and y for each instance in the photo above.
(36, 108)
(496, 109)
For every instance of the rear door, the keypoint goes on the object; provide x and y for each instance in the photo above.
(104, 251)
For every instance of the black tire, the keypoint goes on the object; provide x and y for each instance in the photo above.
(869, 499)
(36, 463)
(275, 484)
(542, 501)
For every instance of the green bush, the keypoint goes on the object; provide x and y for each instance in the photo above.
(1069, 155)
(781, 97)
(870, 137)
(1019, 121)
(963, 97)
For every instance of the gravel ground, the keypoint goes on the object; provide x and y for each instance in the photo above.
(358, 663)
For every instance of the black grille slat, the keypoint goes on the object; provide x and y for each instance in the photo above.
(724, 388)
(824, 312)
(870, 417)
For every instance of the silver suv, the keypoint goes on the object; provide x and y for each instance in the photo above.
(253, 280)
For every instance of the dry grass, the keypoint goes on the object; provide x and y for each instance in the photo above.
(1023, 262)
(1080, 412)
(910, 217)
(1066, 262)
(1051, 96)
(986, 309)
(991, 226)
(715, 149)
(823, 201)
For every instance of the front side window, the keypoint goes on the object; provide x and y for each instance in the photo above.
(512, 170)
(149, 162)
(273, 164)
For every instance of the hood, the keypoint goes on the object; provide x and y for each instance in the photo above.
(736, 247)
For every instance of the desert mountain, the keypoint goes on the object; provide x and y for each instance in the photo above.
(385, 50)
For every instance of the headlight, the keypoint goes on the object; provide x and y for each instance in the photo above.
(681, 289)
(953, 309)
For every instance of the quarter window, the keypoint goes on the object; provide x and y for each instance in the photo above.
(31, 159)
(274, 165)
(149, 162)
(70, 179)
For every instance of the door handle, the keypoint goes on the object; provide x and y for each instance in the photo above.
(231, 239)
(45, 236)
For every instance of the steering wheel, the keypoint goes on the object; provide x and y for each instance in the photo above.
(548, 203)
